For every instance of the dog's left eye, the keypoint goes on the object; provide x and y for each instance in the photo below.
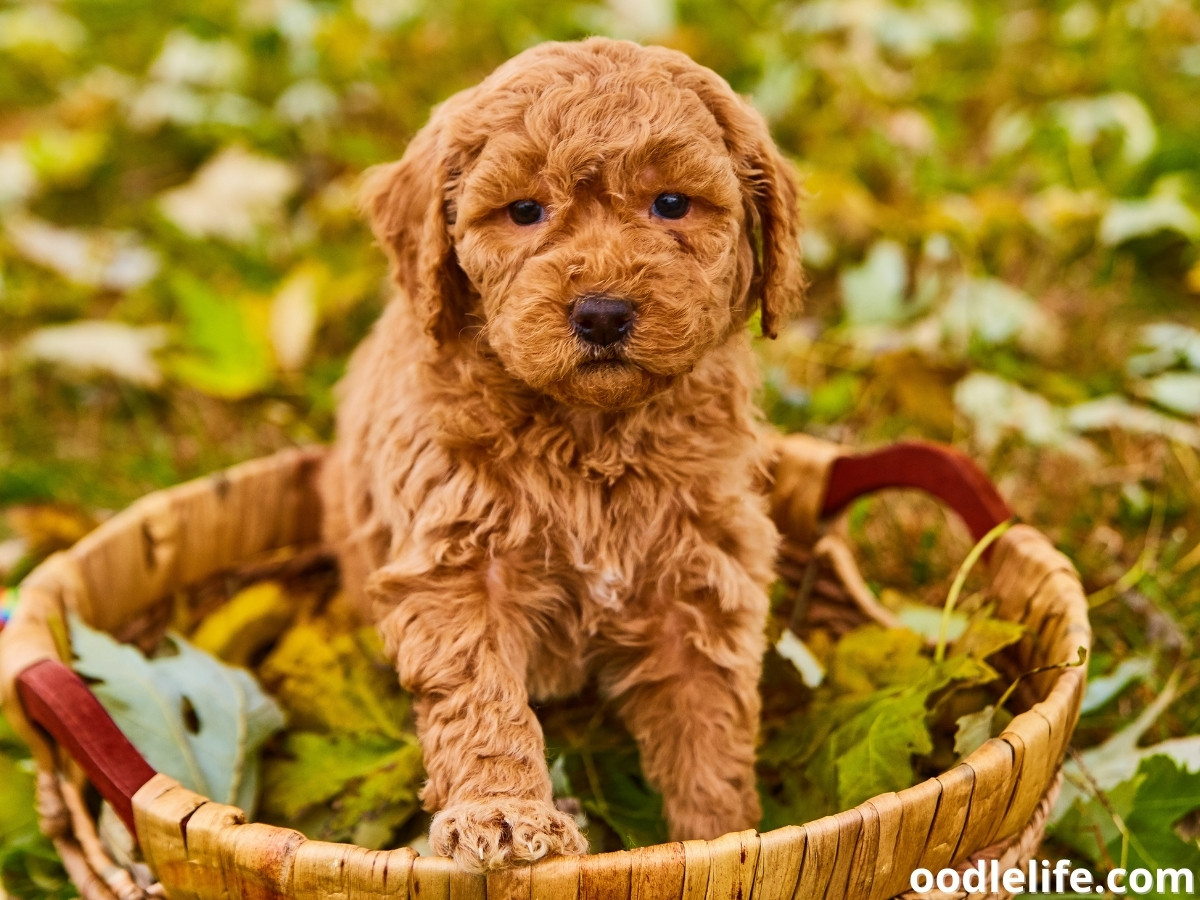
(526, 212)
(671, 206)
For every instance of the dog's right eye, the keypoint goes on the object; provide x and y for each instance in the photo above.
(526, 212)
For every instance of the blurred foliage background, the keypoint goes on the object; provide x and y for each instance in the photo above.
(1003, 239)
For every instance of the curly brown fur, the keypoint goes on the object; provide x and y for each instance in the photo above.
(527, 511)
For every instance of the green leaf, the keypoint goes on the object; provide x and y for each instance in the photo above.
(1105, 688)
(335, 783)
(192, 717)
(17, 815)
(1166, 793)
(873, 293)
(1135, 824)
(226, 355)
(621, 797)
(872, 751)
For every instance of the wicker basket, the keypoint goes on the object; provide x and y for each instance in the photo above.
(990, 806)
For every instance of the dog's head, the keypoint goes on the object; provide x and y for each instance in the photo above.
(606, 213)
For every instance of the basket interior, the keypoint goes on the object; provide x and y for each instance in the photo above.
(177, 553)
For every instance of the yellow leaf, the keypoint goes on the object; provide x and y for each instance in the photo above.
(250, 621)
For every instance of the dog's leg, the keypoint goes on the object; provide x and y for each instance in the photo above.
(462, 648)
(689, 695)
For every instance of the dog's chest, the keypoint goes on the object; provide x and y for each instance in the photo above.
(616, 541)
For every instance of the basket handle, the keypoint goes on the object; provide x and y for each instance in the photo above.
(936, 469)
(58, 700)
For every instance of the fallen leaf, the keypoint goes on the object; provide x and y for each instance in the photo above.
(245, 625)
(973, 730)
(1117, 759)
(996, 407)
(995, 313)
(791, 648)
(100, 258)
(232, 196)
(190, 716)
(1129, 219)
(18, 180)
(1115, 412)
(225, 354)
(37, 27)
(309, 100)
(985, 636)
(922, 618)
(1178, 392)
(187, 59)
(334, 783)
(1164, 345)
(294, 318)
(1087, 118)
(92, 346)
(871, 752)
(873, 292)
(1137, 823)
(338, 682)
(1105, 688)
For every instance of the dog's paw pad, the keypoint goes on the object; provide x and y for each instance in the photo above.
(492, 833)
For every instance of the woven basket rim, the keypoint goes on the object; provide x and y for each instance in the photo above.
(1029, 750)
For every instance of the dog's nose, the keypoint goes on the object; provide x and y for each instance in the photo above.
(602, 319)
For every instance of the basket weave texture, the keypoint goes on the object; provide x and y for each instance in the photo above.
(992, 805)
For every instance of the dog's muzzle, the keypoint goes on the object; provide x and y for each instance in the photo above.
(602, 320)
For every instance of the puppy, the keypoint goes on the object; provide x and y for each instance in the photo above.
(548, 466)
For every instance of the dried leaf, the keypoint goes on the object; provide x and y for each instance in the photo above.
(973, 730)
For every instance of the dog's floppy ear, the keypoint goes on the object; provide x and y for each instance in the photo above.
(408, 204)
(770, 192)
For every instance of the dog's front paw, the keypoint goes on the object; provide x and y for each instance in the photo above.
(496, 832)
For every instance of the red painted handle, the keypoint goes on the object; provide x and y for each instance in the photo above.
(57, 699)
(938, 470)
